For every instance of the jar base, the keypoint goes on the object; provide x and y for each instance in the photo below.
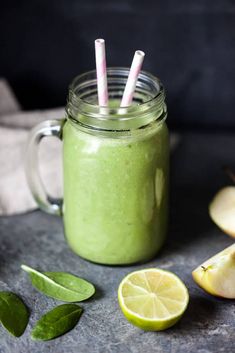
(117, 262)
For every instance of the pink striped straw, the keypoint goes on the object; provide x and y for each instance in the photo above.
(132, 78)
(101, 72)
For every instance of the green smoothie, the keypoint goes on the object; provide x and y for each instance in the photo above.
(115, 193)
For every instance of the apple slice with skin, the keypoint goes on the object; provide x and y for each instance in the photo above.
(217, 275)
(222, 210)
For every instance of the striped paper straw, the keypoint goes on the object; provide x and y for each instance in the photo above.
(101, 72)
(132, 78)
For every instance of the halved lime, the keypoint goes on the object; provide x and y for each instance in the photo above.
(152, 299)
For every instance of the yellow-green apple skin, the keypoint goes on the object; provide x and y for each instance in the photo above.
(217, 275)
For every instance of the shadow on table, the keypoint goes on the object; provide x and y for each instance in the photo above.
(189, 217)
(199, 316)
(200, 313)
(195, 177)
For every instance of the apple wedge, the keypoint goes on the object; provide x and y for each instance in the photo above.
(217, 275)
(222, 210)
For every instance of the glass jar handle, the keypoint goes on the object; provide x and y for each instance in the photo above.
(44, 201)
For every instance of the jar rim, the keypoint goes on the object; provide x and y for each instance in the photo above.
(110, 71)
(149, 96)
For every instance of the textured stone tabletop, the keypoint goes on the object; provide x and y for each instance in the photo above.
(208, 325)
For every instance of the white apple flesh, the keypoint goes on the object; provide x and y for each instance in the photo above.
(222, 210)
(217, 275)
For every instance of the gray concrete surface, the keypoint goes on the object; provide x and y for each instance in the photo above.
(208, 325)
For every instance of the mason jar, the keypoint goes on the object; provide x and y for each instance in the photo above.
(115, 169)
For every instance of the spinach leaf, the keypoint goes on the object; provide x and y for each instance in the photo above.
(14, 315)
(56, 322)
(60, 285)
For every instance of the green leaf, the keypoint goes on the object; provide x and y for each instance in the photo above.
(56, 322)
(14, 315)
(60, 285)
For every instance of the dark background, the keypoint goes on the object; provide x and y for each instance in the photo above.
(189, 44)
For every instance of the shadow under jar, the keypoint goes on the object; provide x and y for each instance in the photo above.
(115, 163)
